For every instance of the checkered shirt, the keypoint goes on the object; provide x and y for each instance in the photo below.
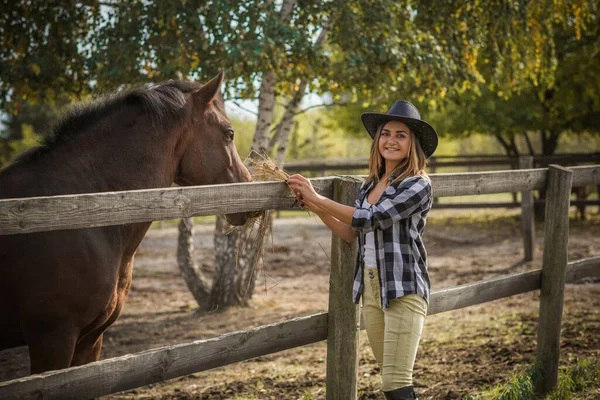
(397, 221)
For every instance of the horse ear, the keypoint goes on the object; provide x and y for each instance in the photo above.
(208, 92)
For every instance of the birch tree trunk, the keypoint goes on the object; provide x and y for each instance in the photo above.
(238, 257)
(185, 259)
(282, 136)
(266, 105)
(285, 126)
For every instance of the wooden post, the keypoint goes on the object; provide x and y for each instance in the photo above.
(556, 235)
(343, 323)
(432, 169)
(527, 214)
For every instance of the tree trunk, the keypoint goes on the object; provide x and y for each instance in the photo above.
(509, 146)
(185, 259)
(549, 142)
(285, 126)
(239, 256)
(266, 103)
(224, 292)
(529, 145)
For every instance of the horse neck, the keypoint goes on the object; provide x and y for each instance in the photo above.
(113, 158)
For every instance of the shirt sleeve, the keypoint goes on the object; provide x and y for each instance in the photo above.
(410, 196)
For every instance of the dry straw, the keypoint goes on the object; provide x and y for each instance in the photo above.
(263, 170)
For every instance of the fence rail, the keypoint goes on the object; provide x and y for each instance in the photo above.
(340, 325)
(449, 161)
(112, 208)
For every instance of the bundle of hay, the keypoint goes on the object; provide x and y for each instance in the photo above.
(263, 170)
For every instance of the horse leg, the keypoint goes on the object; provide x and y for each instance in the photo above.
(90, 345)
(88, 349)
(52, 350)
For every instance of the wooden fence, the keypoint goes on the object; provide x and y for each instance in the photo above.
(340, 325)
(468, 162)
(437, 162)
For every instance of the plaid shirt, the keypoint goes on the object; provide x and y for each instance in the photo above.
(397, 221)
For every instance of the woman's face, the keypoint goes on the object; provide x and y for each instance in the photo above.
(394, 141)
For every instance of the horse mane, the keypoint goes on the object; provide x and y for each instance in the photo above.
(162, 104)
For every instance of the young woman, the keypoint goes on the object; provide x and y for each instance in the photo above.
(388, 217)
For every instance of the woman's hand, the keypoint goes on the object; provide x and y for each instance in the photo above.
(304, 190)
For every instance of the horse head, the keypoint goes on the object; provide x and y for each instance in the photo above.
(209, 153)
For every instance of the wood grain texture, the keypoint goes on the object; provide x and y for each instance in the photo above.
(343, 321)
(527, 214)
(505, 286)
(554, 264)
(135, 370)
(112, 208)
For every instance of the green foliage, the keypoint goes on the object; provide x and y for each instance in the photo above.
(534, 64)
(43, 51)
(517, 67)
(583, 376)
(11, 148)
(519, 388)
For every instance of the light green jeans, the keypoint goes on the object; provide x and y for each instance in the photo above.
(394, 333)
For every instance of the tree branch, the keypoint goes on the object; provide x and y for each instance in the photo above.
(503, 143)
(320, 105)
(529, 145)
(245, 109)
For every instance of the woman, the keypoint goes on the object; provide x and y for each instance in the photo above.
(388, 217)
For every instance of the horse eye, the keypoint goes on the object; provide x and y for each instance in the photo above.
(229, 134)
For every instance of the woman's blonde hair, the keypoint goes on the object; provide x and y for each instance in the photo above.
(413, 165)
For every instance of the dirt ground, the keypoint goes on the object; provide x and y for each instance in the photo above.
(463, 352)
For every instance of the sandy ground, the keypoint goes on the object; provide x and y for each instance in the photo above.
(463, 352)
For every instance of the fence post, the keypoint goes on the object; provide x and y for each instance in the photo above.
(432, 168)
(554, 263)
(343, 322)
(527, 214)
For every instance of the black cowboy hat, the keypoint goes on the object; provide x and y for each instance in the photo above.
(405, 112)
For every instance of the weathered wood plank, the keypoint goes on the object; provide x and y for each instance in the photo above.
(505, 286)
(554, 264)
(450, 161)
(527, 214)
(343, 334)
(483, 292)
(111, 208)
(135, 370)
(588, 175)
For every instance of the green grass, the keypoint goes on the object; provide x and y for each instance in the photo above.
(582, 377)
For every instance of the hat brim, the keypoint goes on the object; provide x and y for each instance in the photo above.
(425, 133)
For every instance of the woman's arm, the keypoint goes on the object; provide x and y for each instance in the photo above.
(338, 227)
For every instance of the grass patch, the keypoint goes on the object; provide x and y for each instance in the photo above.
(580, 378)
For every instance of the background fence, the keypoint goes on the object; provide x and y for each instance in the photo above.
(466, 163)
(340, 325)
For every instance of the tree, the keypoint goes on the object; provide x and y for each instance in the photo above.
(532, 68)
(567, 100)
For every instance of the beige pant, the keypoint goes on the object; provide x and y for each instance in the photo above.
(394, 333)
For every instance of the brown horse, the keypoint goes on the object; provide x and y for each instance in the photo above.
(60, 290)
